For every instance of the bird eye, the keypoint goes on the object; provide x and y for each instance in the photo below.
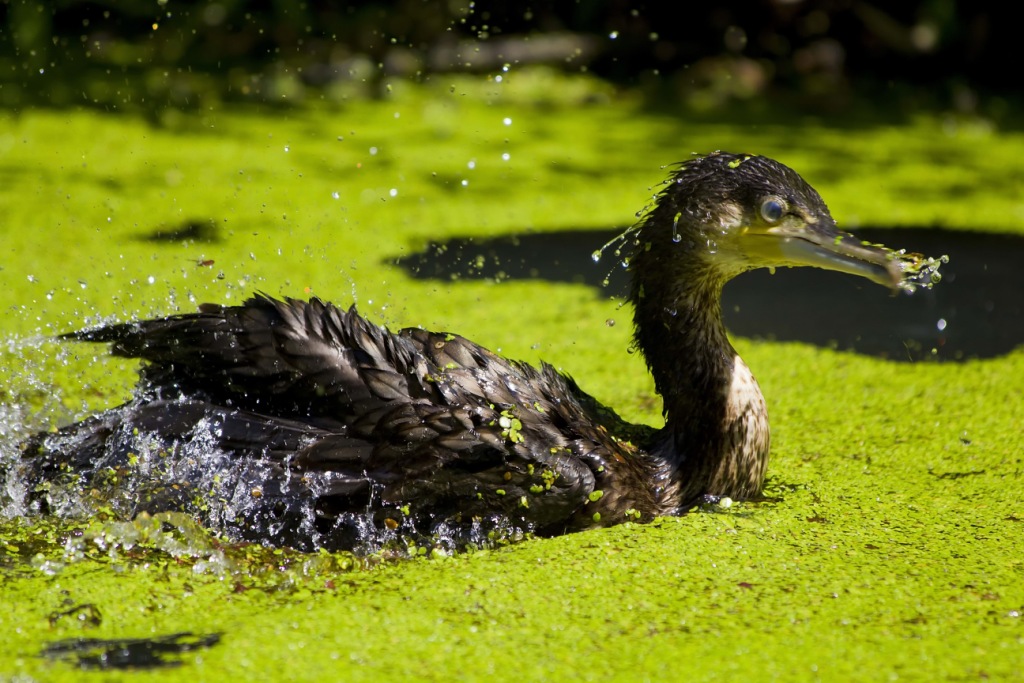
(772, 210)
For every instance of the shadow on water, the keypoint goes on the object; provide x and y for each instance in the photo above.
(975, 312)
(129, 653)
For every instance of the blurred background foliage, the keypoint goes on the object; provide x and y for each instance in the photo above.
(822, 54)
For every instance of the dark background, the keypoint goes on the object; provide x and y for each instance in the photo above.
(816, 53)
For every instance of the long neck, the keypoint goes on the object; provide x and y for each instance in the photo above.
(715, 439)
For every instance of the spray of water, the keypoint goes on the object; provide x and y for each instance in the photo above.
(246, 499)
(919, 272)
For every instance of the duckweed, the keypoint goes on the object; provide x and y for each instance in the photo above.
(870, 558)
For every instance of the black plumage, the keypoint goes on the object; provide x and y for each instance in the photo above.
(300, 423)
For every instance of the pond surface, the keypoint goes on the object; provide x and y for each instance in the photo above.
(975, 312)
(900, 484)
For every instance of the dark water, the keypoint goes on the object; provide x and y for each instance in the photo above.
(975, 312)
(129, 653)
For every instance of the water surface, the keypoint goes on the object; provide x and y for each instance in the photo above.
(975, 312)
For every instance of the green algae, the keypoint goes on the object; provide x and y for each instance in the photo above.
(889, 546)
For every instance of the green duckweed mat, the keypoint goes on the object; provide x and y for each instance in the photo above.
(891, 548)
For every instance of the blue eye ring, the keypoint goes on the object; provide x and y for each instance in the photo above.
(772, 209)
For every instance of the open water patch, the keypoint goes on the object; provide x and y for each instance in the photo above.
(129, 653)
(202, 230)
(974, 312)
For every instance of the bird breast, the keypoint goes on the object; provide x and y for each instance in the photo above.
(745, 460)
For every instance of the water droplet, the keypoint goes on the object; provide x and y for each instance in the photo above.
(596, 255)
(393, 192)
(465, 183)
(373, 151)
(32, 278)
(507, 121)
(287, 148)
(471, 164)
(771, 270)
(941, 324)
(613, 35)
(610, 322)
(676, 237)
(336, 195)
(151, 279)
(506, 156)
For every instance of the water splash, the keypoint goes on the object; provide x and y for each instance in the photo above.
(13, 489)
(139, 475)
(919, 272)
(628, 237)
(619, 239)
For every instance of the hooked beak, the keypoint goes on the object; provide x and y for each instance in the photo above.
(822, 245)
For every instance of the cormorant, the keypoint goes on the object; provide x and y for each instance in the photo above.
(299, 423)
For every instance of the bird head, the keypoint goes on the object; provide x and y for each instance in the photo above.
(734, 212)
